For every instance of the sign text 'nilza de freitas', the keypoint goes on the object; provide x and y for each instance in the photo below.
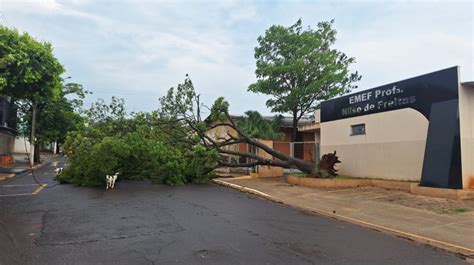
(418, 93)
(377, 100)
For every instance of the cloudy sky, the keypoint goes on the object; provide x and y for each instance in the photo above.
(138, 49)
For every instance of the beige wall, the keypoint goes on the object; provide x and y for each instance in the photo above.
(392, 148)
(221, 133)
(466, 118)
(19, 146)
(268, 171)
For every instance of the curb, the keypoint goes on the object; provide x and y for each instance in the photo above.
(4, 177)
(13, 176)
(466, 252)
(410, 187)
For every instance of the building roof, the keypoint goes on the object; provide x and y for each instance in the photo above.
(469, 84)
(287, 122)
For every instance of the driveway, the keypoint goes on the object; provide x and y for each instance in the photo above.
(140, 223)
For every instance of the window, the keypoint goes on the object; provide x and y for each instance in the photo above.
(358, 129)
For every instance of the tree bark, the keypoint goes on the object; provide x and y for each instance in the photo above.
(278, 159)
(221, 144)
(294, 130)
(33, 135)
(283, 160)
(37, 158)
(57, 148)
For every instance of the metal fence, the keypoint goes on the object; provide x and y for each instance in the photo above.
(308, 151)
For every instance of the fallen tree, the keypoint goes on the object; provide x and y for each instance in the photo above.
(173, 145)
(182, 106)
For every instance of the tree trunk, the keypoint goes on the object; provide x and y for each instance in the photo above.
(37, 158)
(57, 148)
(294, 130)
(278, 159)
(221, 145)
(33, 135)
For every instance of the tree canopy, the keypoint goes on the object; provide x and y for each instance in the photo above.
(28, 68)
(257, 126)
(31, 75)
(299, 68)
(59, 115)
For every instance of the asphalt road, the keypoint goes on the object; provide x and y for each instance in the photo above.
(141, 223)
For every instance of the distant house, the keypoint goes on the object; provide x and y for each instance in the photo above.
(7, 130)
(303, 148)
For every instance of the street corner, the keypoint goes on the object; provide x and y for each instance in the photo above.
(20, 190)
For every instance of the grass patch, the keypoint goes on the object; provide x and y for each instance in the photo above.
(342, 177)
(453, 211)
(301, 175)
(460, 210)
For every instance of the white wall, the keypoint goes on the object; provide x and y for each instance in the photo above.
(466, 118)
(19, 146)
(392, 148)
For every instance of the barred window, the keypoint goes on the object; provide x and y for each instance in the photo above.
(358, 129)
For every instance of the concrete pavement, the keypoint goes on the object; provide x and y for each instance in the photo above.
(415, 217)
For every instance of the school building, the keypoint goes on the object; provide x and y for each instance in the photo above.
(417, 129)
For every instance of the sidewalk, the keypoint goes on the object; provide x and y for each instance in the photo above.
(442, 223)
(22, 165)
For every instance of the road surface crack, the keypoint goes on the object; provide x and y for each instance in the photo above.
(8, 234)
(99, 240)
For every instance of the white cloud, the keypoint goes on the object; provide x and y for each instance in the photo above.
(138, 49)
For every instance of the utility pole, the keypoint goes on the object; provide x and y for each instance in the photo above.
(33, 136)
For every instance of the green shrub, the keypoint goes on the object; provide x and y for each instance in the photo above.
(89, 164)
(135, 148)
(136, 158)
(200, 163)
(139, 163)
(167, 165)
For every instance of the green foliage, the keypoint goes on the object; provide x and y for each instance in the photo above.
(28, 68)
(299, 68)
(169, 166)
(199, 162)
(219, 109)
(134, 145)
(460, 210)
(89, 163)
(256, 126)
(57, 115)
(180, 100)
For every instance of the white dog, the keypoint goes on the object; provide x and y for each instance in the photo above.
(58, 171)
(110, 179)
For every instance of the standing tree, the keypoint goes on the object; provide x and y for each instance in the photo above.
(57, 116)
(28, 72)
(257, 126)
(299, 69)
